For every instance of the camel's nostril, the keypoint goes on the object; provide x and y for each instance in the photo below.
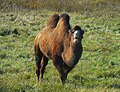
(76, 37)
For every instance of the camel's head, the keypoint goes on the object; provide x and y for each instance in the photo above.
(76, 34)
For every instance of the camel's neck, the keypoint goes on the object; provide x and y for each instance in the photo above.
(72, 54)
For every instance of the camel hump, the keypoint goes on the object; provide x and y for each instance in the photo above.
(52, 22)
(65, 17)
(63, 22)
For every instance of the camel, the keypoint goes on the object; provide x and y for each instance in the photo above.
(59, 42)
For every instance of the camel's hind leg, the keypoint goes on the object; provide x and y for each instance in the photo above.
(38, 57)
(44, 63)
(38, 66)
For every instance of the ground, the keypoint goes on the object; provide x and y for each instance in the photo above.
(97, 71)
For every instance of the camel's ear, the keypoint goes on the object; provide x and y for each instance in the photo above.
(70, 30)
(74, 29)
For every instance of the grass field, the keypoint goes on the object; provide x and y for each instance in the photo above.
(97, 71)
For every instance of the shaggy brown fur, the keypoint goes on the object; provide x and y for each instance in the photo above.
(57, 41)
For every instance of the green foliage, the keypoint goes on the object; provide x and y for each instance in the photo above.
(97, 71)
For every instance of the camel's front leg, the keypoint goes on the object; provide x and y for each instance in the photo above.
(59, 64)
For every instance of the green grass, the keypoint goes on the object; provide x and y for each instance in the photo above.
(97, 71)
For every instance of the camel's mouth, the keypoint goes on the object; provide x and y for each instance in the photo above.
(76, 41)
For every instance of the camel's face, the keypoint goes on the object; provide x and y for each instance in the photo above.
(77, 35)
